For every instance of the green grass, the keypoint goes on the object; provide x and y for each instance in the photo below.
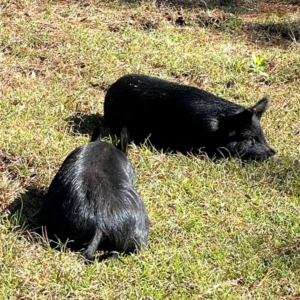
(219, 230)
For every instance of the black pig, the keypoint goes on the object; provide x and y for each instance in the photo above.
(92, 201)
(184, 118)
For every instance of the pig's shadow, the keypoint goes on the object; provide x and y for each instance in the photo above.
(86, 124)
(24, 211)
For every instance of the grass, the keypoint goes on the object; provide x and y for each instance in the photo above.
(219, 230)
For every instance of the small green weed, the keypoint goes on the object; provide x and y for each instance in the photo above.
(258, 65)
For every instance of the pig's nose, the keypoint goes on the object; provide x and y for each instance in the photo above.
(271, 151)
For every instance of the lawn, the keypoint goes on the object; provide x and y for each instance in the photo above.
(219, 229)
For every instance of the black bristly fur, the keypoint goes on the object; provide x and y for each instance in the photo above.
(184, 118)
(92, 201)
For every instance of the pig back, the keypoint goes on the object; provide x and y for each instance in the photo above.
(167, 111)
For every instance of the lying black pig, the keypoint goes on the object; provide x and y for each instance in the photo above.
(92, 201)
(184, 118)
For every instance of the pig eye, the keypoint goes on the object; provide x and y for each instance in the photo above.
(252, 141)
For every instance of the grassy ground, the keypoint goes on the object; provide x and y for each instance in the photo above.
(219, 230)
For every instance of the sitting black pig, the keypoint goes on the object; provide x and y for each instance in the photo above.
(184, 118)
(92, 201)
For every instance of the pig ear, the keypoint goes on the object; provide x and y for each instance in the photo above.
(124, 140)
(96, 134)
(261, 106)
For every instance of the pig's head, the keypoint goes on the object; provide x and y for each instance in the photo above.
(244, 135)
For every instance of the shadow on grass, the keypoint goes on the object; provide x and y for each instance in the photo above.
(228, 5)
(86, 124)
(289, 31)
(23, 214)
(226, 16)
(233, 6)
(25, 209)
